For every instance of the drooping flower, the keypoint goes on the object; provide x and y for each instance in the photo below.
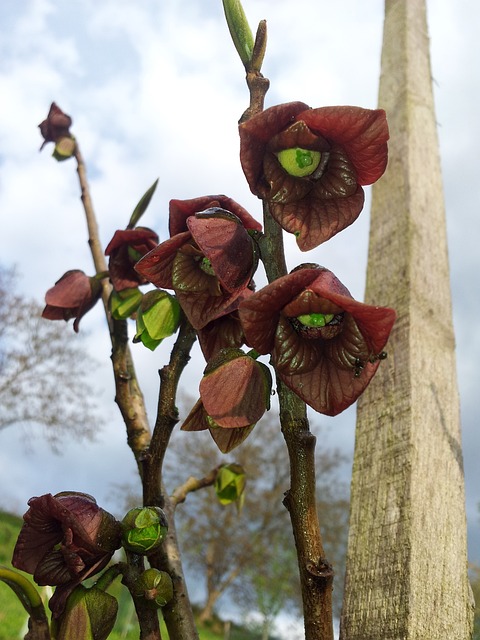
(209, 265)
(310, 165)
(65, 539)
(56, 125)
(124, 250)
(234, 395)
(325, 345)
(71, 297)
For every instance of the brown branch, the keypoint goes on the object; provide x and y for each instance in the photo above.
(147, 614)
(316, 575)
(128, 395)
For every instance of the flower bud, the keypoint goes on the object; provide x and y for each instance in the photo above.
(89, 614)
(144, 529)
(157, 318)
(124, 303)
(230, 484)
(155, 586)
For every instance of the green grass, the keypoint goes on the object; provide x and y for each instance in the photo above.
(13, 617)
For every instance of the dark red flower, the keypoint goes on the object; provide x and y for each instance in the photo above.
(208, 266)
(325, 345)
(234, 395)
(125, 249)
(181, 210)
(55, 126)
(310, 165)
(71, 297)
(65, 539)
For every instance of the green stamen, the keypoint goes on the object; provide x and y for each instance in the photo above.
(206, 266)
(299, 162)
(316, 319)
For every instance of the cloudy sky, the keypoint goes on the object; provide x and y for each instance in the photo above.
(155, 89)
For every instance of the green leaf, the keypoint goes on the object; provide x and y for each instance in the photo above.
(239, 30)
(142, 206)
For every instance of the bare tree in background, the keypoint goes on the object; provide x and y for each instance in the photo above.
(44, 374)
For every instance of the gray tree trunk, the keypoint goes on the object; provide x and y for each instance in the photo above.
(407, 562)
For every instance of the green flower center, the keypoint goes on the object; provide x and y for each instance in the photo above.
(316, 319)
(206, 266)
(299, 162)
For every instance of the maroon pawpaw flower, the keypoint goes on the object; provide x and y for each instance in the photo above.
(181, 210)
(234, 395)
(325, 345)
(56, 125)
(208, 266)
(125, 249)
(71, 297)
(65, 539)
(310, 165)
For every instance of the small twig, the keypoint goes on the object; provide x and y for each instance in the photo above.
(193, 484)
(128, 396)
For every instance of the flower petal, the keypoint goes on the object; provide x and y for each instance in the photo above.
(226, 243)
(233, 395)
(362, 132)
(157, 265)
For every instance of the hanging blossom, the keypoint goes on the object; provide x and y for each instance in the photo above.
(234, 395)
(65, 539)
(209, 260)
(55, 126)
(310, 165)
(71, 297)
(124, 250)
(325, 345)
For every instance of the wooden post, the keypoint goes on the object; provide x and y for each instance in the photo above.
(407, 562)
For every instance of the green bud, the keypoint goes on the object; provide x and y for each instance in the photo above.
(239, 30)
(123, 304)
(316, 319)
(144, 529)
(89, 614)
(299, 162)
(155, 586)
(157, 318)
(230, 484)
(64, 148)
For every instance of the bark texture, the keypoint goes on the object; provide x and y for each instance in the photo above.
(407, 562)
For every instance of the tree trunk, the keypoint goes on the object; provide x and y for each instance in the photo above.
(406, 563)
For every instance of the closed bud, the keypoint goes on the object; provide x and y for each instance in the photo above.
(123, 304)
(157, 318)
(230, 484)
(144, 529)
(155, 586)
(89, 614)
